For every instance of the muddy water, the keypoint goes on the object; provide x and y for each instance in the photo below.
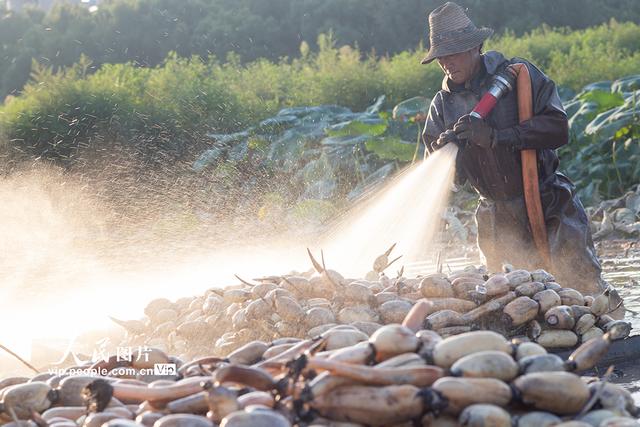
(621, 264)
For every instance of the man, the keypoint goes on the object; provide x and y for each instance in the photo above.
(489, 155)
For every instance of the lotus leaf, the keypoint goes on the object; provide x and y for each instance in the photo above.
(604, 100)
(371, 127)
(407, 131)
(321, 189)
(607, 124)
(371, 181)
(623, 216)
(579, 121)
(207, 158)
(391, 148)
(288, 149)
(603, 85)
(223, 139)
(411, 107)
(632, 202)
(277, 123)
(314, 210)
(311, 131)
(345, 140)
(572, 107)
(631, 229)
(377, 106)
(328, 110)
(315, 170)
(626, 84)
(238, 152)
(566, 93)
(341, 158)
(259, 143)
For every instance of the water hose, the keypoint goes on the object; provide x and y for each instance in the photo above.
(501, 85)
(530, 179)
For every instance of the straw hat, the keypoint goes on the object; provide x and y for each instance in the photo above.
(451, 31)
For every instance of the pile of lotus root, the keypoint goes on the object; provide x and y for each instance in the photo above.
(516, 304)
(323, 350)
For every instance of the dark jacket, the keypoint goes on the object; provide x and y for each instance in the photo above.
(496, 173)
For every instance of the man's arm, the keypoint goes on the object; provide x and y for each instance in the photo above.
(548, 128)
(434, 128)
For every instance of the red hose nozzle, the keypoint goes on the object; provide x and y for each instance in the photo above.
(502, 83)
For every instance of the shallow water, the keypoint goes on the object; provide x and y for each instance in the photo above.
(621, 267)
(621, 264)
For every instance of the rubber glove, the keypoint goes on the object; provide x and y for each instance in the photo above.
(475, 130)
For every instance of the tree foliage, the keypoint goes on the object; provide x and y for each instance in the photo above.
(143, 32)
(173, 105)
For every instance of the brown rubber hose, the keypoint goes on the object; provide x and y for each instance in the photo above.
(530, 181)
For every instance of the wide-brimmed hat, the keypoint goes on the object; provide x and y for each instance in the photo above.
(451, 31)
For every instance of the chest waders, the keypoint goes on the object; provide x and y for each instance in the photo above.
(502, 84)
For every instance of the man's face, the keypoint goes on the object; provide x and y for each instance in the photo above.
(460, 67)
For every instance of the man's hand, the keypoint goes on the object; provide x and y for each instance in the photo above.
(445, 138)
(474, 130)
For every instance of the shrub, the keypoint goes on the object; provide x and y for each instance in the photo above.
(174, 105)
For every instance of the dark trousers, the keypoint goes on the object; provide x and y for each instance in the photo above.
(504, 236)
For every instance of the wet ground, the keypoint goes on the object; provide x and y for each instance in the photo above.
(621, 264)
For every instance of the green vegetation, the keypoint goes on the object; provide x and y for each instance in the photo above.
(184, 106)
(576, 58)
(179, 102)
(330, 151)
(143, 32)
(603, 157)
